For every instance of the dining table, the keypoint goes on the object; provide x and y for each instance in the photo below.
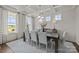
(50, 35)
(55, 38)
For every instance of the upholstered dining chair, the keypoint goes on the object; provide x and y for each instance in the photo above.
(27, 35)
(62, 39)
(34, 37)
(42, 38)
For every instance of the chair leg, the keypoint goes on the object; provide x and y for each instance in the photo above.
(46, 47)
(0, 47)
(39, 45)
(36, 44)
(31, 42)
(51, 45)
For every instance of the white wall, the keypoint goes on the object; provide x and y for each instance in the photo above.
(68, 23)
(77, 24)
(21, 25)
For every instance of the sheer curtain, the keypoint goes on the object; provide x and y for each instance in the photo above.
(1, 20)
(5, 17)
(1, 31)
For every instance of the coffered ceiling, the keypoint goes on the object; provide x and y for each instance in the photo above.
(36, 10)
(40, 9)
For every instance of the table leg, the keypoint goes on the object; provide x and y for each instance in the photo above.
(24, 39)
(0, 46)
(56, 45)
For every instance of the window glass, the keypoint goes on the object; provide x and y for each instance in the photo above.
(58, 17)
(48, 18)
(11, 22)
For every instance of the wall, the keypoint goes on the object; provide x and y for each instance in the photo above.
(68, 23)
(77, 24)
(21, 25)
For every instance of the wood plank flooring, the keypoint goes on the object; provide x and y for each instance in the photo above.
(76, 45)
(5, 49)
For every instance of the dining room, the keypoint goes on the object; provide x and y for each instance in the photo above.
(39, 28)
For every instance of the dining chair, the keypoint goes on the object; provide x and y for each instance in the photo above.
(62, 40)
(27, 35)
(52, 44)
(42, 39)
(34, 37)
(64, 36)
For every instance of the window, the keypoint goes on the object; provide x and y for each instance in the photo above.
(11, 22)
(58, 17)
(48, 18)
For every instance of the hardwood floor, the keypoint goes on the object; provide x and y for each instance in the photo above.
(76, 45)
(5, 49)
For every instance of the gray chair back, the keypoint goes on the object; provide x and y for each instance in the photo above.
(27, 35)
(42, 37)
(33, 36)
